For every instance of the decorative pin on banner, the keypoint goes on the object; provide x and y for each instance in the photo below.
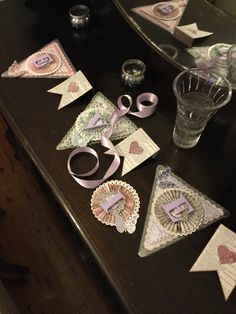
(95, 122)
(112, 200)
(71, 89)
(178, 209)
(135, 149)
(220, 255)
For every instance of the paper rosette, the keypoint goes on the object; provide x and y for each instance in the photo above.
(128, 207)
(154, 236)
(46, 70)
(188, 223)
(219, 51)
(174, 14)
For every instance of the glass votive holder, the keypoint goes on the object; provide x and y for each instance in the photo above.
(133, 72)
(169, 50)
(200, 93)
(79, 16)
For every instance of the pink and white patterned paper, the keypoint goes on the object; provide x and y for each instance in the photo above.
(71, 89)
(61, 66)
(149, 13)
(135, 149)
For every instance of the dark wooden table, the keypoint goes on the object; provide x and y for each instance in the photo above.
(159, 283)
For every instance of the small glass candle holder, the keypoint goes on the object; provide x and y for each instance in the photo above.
(133, 72)
(79, 16)
(169, 50)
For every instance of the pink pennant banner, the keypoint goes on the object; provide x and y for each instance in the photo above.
(143, 112)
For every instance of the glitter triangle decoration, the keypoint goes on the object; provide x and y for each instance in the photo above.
(50, 61)
(79, 135)
(159, 231)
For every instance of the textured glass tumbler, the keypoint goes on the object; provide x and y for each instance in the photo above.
(199, 94)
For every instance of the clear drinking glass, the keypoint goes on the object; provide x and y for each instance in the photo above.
(199, 94)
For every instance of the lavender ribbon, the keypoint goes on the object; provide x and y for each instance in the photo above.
(143, 112)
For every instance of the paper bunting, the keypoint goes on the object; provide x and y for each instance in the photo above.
(154, 236)
(79, 135)
(50, 61)
(135, 149)
(220, 255)
(71, 89)
(165, 14)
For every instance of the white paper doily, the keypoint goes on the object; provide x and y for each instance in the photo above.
(78, 136)
(154, 237)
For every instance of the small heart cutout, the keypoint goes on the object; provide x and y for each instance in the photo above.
(135, 148)
(73, 87)
(225, 255)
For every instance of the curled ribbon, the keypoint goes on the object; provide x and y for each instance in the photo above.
(143, 112)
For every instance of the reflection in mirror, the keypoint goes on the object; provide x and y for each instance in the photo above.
(169, 50)
(187, 33)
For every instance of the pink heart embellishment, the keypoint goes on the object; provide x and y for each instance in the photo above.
(135, 148)
(73, 87)
(225, 255)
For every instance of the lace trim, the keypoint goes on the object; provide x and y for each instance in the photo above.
(154, 237)
(77, 136)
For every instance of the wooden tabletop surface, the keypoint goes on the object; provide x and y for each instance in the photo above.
(161, 282)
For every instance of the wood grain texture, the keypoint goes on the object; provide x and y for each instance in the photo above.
(32, 233)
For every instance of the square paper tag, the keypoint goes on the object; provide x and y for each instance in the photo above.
(71, 89)
(135, 149)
